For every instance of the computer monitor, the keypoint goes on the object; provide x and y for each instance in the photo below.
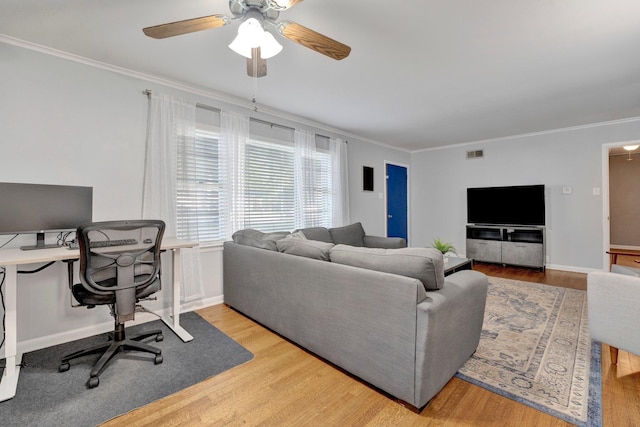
(40, 208)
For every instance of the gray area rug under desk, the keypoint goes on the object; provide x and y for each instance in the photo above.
(46, 397)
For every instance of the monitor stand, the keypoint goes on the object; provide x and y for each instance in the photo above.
(39, 244)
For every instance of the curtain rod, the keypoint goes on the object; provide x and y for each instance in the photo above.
(148, 92)
(198, 105)
(277, 125)
(264, 122)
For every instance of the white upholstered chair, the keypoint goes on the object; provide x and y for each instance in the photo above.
(614, 309)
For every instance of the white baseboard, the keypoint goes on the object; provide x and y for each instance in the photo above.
(571, 268)
(100, 328)
(197, 305)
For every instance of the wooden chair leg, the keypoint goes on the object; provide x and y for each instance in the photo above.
(613, 352)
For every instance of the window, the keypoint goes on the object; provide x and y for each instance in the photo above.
(318, 193)
(269, 195)
(269, 199)
(200, 189)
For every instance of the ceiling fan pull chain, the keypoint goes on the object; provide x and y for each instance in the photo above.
(255, 85)
(253, 101)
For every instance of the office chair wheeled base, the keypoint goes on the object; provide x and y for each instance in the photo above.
(109, 349)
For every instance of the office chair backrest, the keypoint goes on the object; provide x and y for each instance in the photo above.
(124, 269)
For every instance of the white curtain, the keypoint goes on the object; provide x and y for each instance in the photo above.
(170, 120)
(234, 136)
(340, 181)
(304, 178)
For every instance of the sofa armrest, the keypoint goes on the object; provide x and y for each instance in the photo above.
(448, 330)
(613, 301)
(384, 242)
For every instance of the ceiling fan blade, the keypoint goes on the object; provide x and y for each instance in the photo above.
(285, 4)
(256, 65)
(313, 40)
(187, 26)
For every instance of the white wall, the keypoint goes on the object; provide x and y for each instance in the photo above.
(563, 158)
(369, 207)
(66, 122)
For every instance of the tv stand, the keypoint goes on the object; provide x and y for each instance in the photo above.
(507, 245)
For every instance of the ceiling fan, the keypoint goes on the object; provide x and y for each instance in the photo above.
(253, 41)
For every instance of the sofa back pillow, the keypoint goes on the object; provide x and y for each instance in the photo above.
(320, 234)
(306, 248)
(424, 264)
(258, 239)
(352, 235)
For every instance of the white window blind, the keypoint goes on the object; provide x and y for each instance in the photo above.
(269, 192)
(199, 189)
(317, 193)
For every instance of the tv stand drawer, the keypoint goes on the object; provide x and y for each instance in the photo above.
(526, 254)
(484, 250)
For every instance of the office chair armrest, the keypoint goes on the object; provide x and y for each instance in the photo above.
(70, 266)
(70, 263)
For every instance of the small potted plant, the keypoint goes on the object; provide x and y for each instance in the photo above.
(443, 247)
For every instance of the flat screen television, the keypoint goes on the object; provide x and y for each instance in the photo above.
(40, 208)
(514, 205)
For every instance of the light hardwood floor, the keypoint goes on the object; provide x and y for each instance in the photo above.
(286, 386)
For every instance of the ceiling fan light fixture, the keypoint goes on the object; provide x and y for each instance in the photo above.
(251, 35)
(631, 147)
(270, 46)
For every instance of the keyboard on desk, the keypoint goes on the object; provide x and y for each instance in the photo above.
(105, 243)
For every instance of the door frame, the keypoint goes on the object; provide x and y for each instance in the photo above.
(606, 223)
(386, 198)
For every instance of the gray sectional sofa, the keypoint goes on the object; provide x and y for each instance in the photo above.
(385, 314)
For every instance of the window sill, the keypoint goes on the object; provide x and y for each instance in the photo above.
(212, 245)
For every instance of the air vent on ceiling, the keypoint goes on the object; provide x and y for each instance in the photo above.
(475, 154)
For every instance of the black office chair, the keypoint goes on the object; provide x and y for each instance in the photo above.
(119, 266)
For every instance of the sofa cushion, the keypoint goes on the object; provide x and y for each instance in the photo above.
(306, 248)
(258, 239)
(424, 264)
(352, 235)
(384, 242)
(296, 235)
(320, 234)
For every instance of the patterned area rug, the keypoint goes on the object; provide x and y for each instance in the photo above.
(535, 348)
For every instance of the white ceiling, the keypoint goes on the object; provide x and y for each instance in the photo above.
(422, 73)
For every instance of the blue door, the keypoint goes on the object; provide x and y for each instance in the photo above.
(396, 201)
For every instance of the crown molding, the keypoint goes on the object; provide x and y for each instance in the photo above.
(207, 93)
(532, 134)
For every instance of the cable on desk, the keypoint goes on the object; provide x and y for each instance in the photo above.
(4, 314)
(63, 236)
(4, 274)
(8, 241)
(37, 270)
